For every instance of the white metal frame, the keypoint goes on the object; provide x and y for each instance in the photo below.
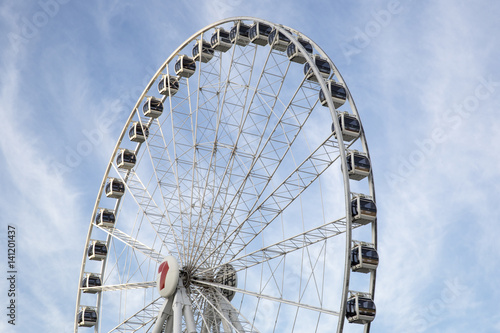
(237, 230)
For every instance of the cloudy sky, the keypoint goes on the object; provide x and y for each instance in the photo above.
(426, 81)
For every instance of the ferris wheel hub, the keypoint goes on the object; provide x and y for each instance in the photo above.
(187, 275)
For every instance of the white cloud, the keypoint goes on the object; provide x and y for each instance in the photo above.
(44, 209)
(443, 196)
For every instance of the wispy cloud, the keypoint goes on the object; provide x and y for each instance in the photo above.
(437, 196)
(46, 206)
(43, 207)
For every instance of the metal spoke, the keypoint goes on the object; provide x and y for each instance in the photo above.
(286, 246)
(134, 243)
(267, 297)
(225, 312)
(269, 151)
(140, 319)
(123, 286)
(306, 173)
(153, 213)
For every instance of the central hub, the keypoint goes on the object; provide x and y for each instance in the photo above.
(224, 275)
(186, 275)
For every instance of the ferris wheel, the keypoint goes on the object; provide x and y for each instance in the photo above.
(239, 196)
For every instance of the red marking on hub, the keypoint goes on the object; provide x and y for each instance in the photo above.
(163, 269)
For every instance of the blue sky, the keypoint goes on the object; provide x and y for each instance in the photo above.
(426, 81)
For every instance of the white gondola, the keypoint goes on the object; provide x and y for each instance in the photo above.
(168, 85)
(323, 67)
(358, 165)
(363, 209)
(203, 51)
(239, 34)
(138, 133)
(337, 91)
(91, 280)
(97, 250)
(277, 40)
(364, 258)
(87, 317)
(294, 54)
(360, 309)
(185, 66)
(152, 107)
(105, 218)
(220, 40)
(350, 126)
(227, 276)
(259, 33)
(114, 188)
(126, 159)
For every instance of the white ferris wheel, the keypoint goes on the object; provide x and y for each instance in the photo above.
(239, 196)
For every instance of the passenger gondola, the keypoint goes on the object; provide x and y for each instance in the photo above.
(350, 126)
(185, 66)
(138, 133)
(227, 276)
(294, 54)
(277, 40)
(323, 67)
(239, 34)
(364, 258)
(168, 85)
(358, 165)
(91, 280)
(220, 40)
(363, 209)
(259, 33)
(105, 218)
(337, 91)
(152, 107)
(87, 317)
(97, 250)
(115, 188)
(126, 159)
(360, 309)
(203, 51)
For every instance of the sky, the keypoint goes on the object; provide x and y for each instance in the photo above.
(425, 78)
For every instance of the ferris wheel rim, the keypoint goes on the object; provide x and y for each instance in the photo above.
(285, 30)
